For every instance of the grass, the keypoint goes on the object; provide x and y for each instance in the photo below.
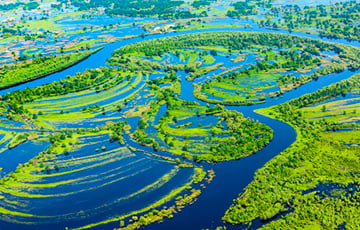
(18, 139)
(339, 111)
(46, 24)
(208, 59)
(203, 71)
(56, 111)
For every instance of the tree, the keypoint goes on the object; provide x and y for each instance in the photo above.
(323, 108)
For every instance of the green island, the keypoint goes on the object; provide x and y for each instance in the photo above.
(28, 70)
(223, 135)
(314, 183)
(275, 54)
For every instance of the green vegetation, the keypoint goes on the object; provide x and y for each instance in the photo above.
(242, 9)
(79, 82)
(168, 212)
(53, 168)
(25, 6)
(314, 181)
(339, 20)
(160, 8)
(230, 136)
(277, 54)
(38, 67)
(147, 85)
(342, 110)
(18, 139)
(240, 136)
(47, 105)
(185, 195)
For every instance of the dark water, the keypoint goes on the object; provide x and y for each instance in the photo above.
(100, 186)
(231, 177)
(11, 158)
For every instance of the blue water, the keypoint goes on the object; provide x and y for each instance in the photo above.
(11, 158)
(97, 193)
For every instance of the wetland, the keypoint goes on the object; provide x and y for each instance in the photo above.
(202, 118)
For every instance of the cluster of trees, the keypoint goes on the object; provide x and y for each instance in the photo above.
(80, 81)
(290, 59)
(264, 3)
(142, 137)
(201, 3)
(25, 6)
(248, 136)
(294, 60)
(16, 30)
(242, 9)
(323, 94)
(294, 53)
(58, 137)
(166, 212)
(91, 109)
(131, 8)
(230, 40)
(56, 6)
(31, 5)
(117, 130)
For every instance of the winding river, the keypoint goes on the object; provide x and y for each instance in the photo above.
(231, 177)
